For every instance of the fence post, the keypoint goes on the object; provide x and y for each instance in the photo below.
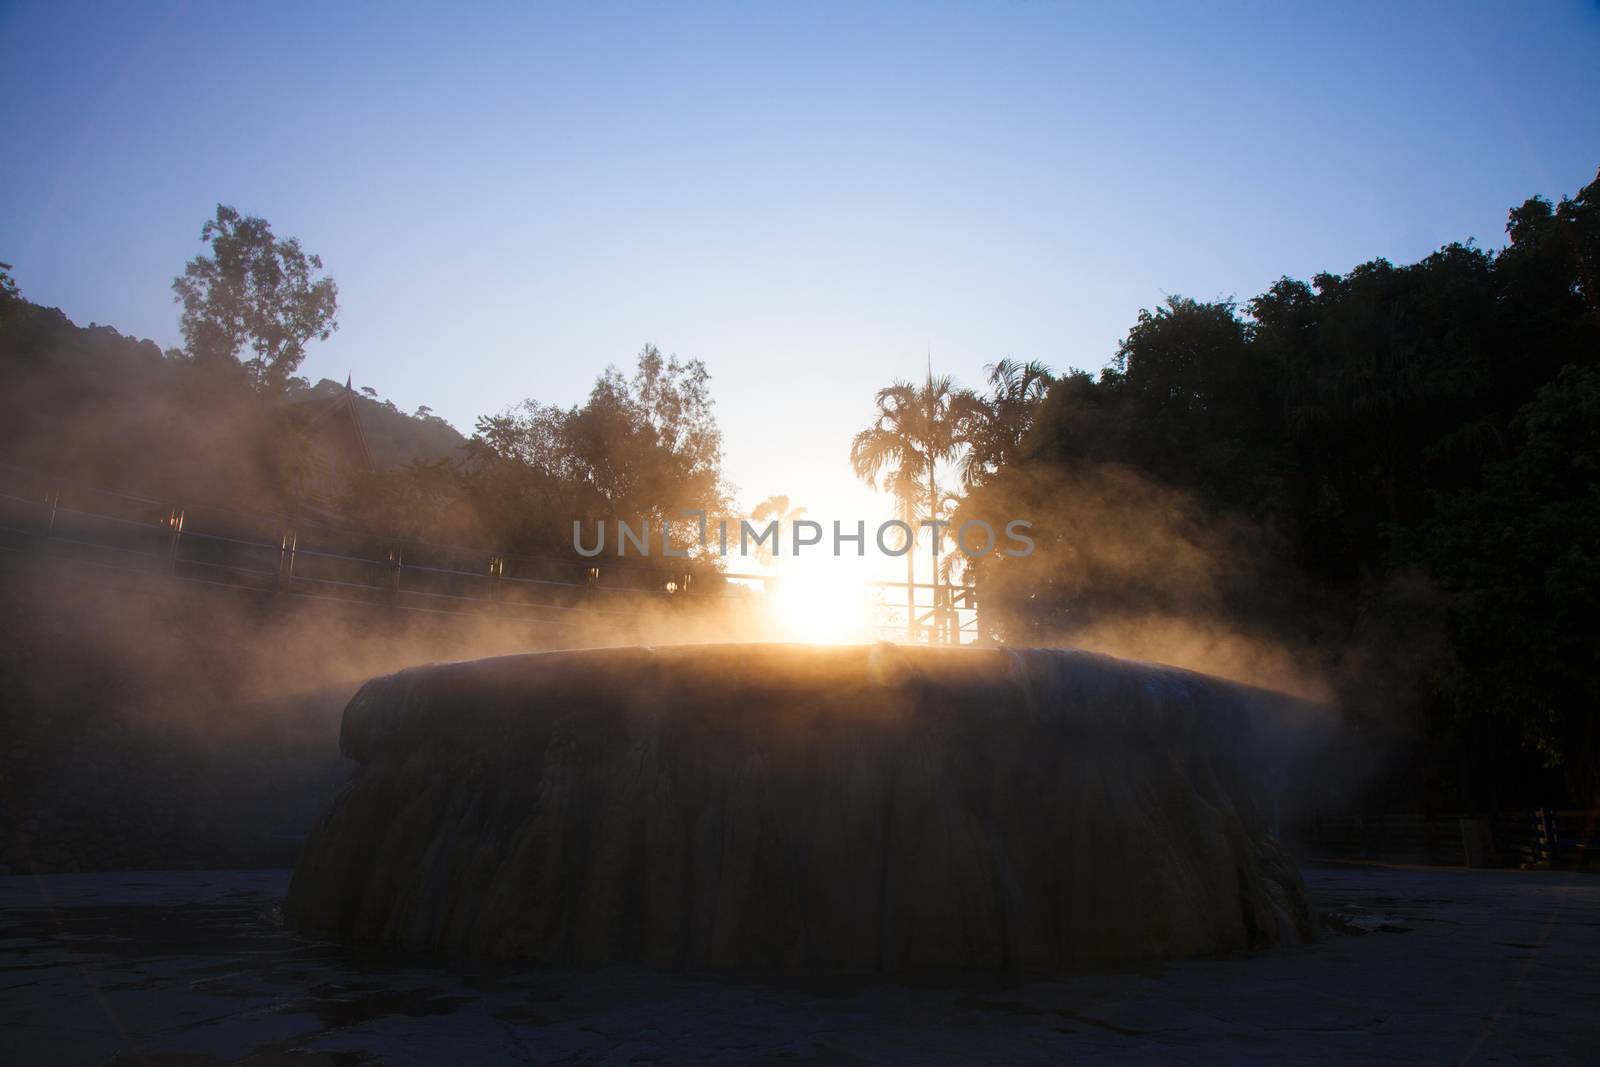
(55, 503)
(590, 583)
(968, 601)
(394, 573)
(1544, 837)
(174, 520)
(286, 559)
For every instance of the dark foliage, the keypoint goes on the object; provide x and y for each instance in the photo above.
(1416, 449)
(644, 448)
(254, 302)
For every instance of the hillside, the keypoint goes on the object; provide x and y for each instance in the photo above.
(92, 405)
(395, 437)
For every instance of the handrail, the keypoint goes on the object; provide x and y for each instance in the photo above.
(944, 619)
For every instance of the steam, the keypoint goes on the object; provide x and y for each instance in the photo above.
(1140, 570)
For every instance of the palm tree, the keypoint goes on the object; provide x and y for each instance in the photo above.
(1016, 392)
(774, 507)
(916, 429)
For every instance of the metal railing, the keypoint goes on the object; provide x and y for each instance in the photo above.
(1562, 839)
(129, 532)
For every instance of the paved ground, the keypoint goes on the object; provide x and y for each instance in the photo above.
(195, 968)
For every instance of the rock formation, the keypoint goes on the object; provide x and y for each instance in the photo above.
(809, 809)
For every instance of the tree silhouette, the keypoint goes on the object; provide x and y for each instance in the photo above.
(774, 508)
(916, 429)
(1016, 393)
(10, 298)
(1401, 458)
(254, 299)
(644, 446)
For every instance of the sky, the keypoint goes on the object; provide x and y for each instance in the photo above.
(812, 199)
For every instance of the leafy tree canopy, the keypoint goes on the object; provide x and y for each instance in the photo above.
(1410, 444)
(254, 299)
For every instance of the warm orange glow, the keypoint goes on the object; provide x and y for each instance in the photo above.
(823, 603)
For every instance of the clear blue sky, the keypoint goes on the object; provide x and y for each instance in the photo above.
(806, 197)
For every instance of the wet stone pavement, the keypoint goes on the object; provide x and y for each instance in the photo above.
(196, 968)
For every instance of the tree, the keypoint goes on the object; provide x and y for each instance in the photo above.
(10, 298)
(649, 445)
(1519, 560)
(1200, 395)
(644, 447)
(1016, 393)
(774, 509)
(916, 429)
(1390, 470)
(254, 299)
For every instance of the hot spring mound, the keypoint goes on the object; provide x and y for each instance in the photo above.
(807, 809)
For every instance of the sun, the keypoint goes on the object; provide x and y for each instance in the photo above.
(823, 604)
